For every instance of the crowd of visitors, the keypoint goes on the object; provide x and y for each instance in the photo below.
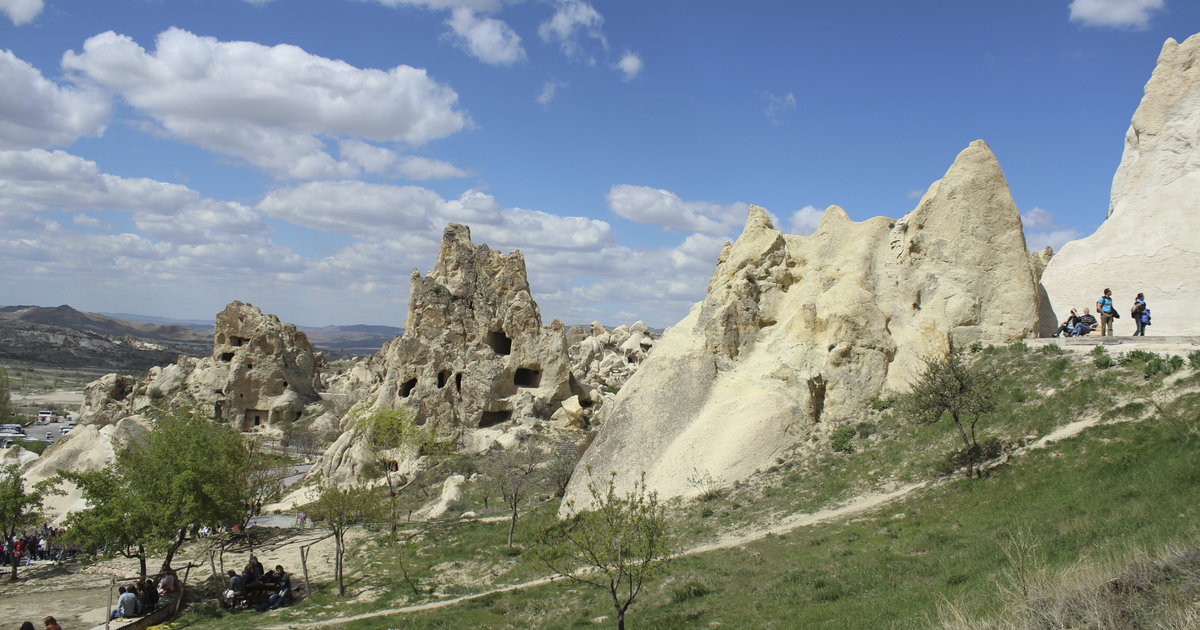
(254, 580)
(43, 544)
(142, 597)
(1078, 326)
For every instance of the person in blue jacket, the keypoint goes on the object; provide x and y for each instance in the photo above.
(1104, 308)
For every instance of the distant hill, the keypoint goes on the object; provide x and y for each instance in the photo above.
(339, 342)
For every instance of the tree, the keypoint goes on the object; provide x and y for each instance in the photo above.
(957, 385)
(261, 480)
(187, 472)
(618, 545)
(19, 509)
(116, 520)
(5, 396)
(517, 471)
(340, 509)
(561, 468)
(392, 437)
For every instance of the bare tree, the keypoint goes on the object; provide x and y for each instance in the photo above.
(957, 385)
(340, 509)
(517, 472)
(617, 545)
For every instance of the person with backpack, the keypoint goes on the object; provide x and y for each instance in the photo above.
(1104, 308)
(1137, 312)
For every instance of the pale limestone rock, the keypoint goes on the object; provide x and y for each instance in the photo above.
(451, 496)
(608, 358)
(107, 399)
(17, 456)
(1150, 240)
(798, 333)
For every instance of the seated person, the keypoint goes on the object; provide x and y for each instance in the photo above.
(149, 596)
(237, 586)
(1069, 325)
(283, 586)
(1086, 324)
(127, 604)
(249, 577)
(166, 585)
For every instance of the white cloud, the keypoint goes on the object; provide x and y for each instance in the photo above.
(488, 39)
(776, 104)
(21, 11)
(83, 219)
(36, 112)
(268, 105)
(644, 204)
(422, 168)
(572, 18)
(1115, 13)
(1041, 231)
(630, 64)
(549, 91)
(805, 220)
(915, 194)
(383, 161)
(1037, 219)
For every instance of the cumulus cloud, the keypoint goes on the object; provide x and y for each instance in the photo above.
(776, 104)
(268, 105)
(654, 206)
(1115, 13)
(21, 11)
(630, 64)
(83, 219)
(1041, 231)
(37, 113)
(549, 91)
(487, 39)
(805, 220)
(571, 20)
(385, 162)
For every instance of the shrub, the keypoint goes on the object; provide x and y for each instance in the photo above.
(1194, 359)
(1162, 366)
(1177, 362)
(1104, 361)
(1098, 351)
(1018, 348)
(1052, 348)
(1141, 355)
(976, 347)
(841, 441)
(1058, 366)
(690, 590)
(866, 429)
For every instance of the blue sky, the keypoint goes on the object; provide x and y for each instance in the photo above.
(167, 157)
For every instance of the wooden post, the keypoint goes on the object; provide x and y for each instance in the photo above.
(304, 563)
(108, 611)
(218, 578)
(179, 603)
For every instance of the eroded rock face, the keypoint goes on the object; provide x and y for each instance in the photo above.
(602, 358)
(474, 352)
(798, 333)
(1150, 239)
(261, 372)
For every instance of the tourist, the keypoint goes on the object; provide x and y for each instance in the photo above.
(1104, 308)
(1068, 325)
(127, 604)
(149, 595)
(300, 518)
(27, 626)
(51, 624)
(166, 585)
(1086, 324)
(237, 586)
(1139, 310)
(283, 586)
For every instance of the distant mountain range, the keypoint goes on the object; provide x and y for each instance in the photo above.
(62, 335)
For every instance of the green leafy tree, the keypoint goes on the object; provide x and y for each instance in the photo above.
(517, 472)
(116, 520)
(960, 387)
(20, 509)
(617, 545)
(341, 508)
(261, 480)
(392, 436)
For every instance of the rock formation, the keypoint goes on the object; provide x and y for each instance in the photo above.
(602, 358)
(1150, 239)
(261, 372)
(474, 352)
(797, 333)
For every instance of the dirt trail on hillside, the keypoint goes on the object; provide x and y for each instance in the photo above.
(857, 505)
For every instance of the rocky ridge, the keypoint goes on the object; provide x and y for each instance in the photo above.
(798, 333)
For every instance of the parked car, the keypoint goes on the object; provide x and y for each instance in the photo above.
(41, 423)
(67, 429)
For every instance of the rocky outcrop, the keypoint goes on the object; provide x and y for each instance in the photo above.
(602, 358)
(797, 333)
(1149, 241)
(261, 372)
(474, 352)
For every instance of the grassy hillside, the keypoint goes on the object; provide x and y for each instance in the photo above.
(954, 550)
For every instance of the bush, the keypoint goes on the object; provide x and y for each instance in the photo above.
(1194, 359)
(691, 590)
(841, 441)
(1058, 366)
(866, 429)
(1141, 355)
(1098, 351)
(1052, 348)
(1018, 348)
(976, 347)
(1104, 361)
(1162, 366)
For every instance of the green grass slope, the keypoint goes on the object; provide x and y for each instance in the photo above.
(956, 553)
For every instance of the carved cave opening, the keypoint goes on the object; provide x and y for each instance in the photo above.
(227, 356)
(253, 418)
(492, 418)
(458, 383)
(527, 377)
(443, 376)
(236, 341)
(499, 342)
(407, 387)
(816, 389)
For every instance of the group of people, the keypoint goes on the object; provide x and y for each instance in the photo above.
(255, 578)
(142, 598)
(1079, 325)
(51, 624)
(43, 544)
